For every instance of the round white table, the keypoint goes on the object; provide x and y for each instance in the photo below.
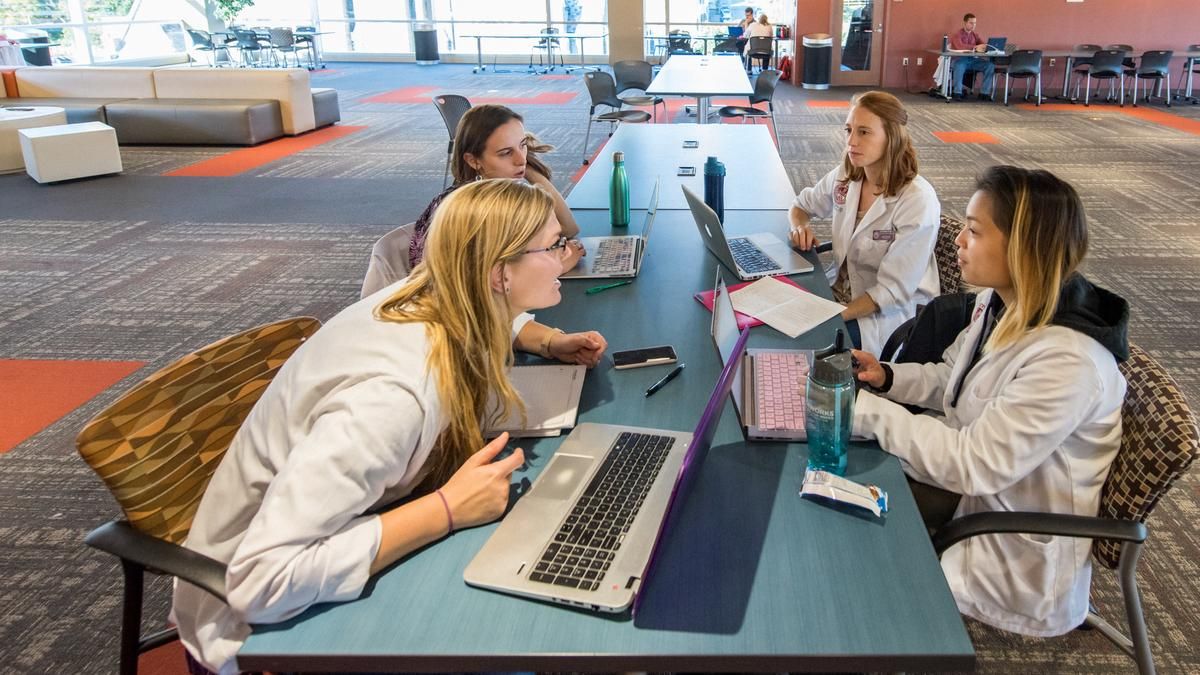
(22, 117)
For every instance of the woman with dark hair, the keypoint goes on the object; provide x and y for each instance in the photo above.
(1031, 397)
(885, 222)
(491, 142)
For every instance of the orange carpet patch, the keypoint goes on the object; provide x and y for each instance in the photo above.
(34, 394)
(241, 161)
(405, 95)
(1152, 115)
(556, 77)
(165, 660)
(544, 98)
(829, 104)
(965, 137)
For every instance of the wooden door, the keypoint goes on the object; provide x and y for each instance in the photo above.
(858, 42)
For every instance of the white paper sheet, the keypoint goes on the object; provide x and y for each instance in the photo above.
(551, 394)
(784, 307)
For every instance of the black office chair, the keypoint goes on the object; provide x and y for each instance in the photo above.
(306, 37)
(203, 42)
(603, 91)
(1128, 49)
(451, 107)
(547, 45)
(1155, 65)
(283, 42)
(1025, 64)
(679, 42)
(1107, 64)
(637, 75)
(761, 48)
(1183, 73)
(1083, 63)
(248, 43)
(764, 92)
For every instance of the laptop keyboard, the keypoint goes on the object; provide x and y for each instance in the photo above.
(614, 255)
(586, 543)
(779, 381)
(750, 257)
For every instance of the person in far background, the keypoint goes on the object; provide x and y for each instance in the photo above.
(745, 24)
(885, 222)
(966, 39)
(760, 28)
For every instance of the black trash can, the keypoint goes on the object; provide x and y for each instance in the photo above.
(818, 55)
(425, 44)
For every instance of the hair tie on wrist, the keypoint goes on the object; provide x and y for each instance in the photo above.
(449, 518)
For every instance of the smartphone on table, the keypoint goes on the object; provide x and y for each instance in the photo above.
(647, 356)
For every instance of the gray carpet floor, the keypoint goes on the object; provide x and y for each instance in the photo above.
(147, 267)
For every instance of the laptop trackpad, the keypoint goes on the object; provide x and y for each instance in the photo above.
(561, 477)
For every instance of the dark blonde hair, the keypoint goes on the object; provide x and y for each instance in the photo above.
(1042, 218)
(475, 128)
(899, 156)
(480, 225)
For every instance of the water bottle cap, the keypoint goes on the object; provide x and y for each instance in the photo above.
(711, 161)
(618, 156)
(835, 369)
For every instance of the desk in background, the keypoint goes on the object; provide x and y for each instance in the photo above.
(550, 49)
(700, 77)
(755, 175)
(751, 578)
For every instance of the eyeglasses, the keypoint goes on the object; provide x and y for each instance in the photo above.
(559, 247)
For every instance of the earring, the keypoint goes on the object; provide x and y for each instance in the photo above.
(507, 289)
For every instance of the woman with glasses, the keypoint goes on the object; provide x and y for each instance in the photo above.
(491, 142)
(368, 444)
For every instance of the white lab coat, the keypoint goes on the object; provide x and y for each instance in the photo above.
(889, 253)
(1036, 429)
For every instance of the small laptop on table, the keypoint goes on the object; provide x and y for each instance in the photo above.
(616, 256)
(749, 257)
(768, 385)
(995, 45)
(587, 532)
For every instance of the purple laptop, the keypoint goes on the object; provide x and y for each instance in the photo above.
(587, 533)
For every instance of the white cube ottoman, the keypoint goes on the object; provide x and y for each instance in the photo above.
(67, 151)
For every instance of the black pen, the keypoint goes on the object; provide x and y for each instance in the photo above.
(666, 378)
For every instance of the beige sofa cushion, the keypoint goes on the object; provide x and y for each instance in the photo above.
(289, 86)
(85, 82)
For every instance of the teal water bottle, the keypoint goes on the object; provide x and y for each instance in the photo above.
(829, 407)
(618, 192)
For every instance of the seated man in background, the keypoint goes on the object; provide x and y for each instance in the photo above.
(966, 39)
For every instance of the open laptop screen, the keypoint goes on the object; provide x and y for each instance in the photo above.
(702, 438)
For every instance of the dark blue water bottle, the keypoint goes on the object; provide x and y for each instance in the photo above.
(714, 187)
(945, 43)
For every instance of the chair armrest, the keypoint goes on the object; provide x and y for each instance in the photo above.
(1003, 522)
(120, 539)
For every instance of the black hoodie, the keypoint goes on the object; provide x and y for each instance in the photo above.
(1082, 306)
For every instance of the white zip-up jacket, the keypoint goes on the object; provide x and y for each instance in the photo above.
(889, 253)
(1036, 427)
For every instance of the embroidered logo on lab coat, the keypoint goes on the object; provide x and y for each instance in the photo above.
(839, 194)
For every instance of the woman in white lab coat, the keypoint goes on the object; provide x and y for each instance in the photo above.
(885, 222)
(1032, 401)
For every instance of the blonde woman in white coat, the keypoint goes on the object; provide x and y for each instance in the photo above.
(1032, 401)
(885, 222)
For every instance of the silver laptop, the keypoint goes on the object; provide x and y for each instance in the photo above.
(749, 257)
(587, 532)
(768, 386)
(616, 256)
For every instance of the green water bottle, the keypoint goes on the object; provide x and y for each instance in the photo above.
(618, 192)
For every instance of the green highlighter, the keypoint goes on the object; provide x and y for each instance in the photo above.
(605, 287)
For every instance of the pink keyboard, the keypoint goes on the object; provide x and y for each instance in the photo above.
(780, 378)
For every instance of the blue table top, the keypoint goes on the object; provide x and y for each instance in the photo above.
(752, 577)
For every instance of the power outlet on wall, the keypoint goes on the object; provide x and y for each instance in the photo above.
(1051, 63)
(920, 61)
(904, 62)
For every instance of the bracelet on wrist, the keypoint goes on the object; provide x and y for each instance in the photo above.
(887, 379)
(544, 349)
(449, 518)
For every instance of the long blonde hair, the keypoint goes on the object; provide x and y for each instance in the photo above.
(479, 226)
(899, 157)
(1043, 220)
